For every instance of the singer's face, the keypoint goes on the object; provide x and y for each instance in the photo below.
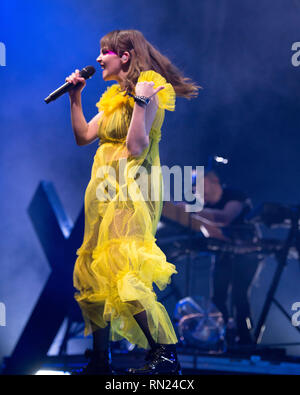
(110, 63)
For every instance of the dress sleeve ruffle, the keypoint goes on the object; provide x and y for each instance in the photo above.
(166, 96)
(113, 98)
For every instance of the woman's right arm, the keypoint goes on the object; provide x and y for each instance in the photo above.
(84, 132)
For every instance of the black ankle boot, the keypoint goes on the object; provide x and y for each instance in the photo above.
(99, 363)
(163, 360)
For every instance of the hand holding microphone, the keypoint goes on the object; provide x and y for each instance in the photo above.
(78, 82)
(75, 82)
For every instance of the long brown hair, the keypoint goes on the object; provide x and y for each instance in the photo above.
(145, 56)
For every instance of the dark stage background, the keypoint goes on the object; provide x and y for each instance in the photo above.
(249, 111)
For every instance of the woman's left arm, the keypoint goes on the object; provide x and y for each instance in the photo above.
(142, 119)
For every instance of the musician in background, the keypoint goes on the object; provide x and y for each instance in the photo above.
(223, 217)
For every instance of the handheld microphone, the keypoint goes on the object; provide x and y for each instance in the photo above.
(86, 73)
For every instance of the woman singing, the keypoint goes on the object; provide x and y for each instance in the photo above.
(119, 261)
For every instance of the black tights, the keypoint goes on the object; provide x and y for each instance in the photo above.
(141, 319)
(101, 335)
(101, 339)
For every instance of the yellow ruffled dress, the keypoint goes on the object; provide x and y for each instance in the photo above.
(119, 261)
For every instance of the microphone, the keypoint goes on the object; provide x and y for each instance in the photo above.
(86, 73)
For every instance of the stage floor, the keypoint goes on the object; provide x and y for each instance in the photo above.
(193, 363)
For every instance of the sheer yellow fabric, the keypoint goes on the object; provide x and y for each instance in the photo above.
(119, 261)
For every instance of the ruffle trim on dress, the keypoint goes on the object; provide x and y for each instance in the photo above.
(114, 98)
(166, 96)
(141, 256)
(123, 271)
